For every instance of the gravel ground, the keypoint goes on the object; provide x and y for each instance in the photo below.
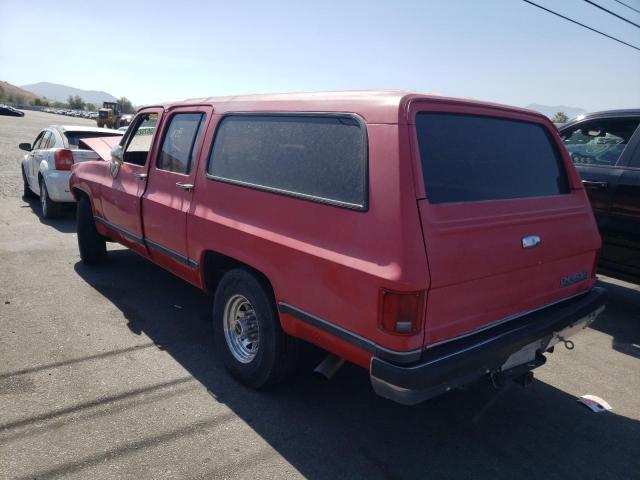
(109, 372)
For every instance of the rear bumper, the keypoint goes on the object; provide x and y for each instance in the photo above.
(495, 350)
(58, 185)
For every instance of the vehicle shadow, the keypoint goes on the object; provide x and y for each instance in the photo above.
(341, 429)
(65, 223)
(623, 302)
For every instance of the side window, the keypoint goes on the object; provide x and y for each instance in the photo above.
(48, 141)
(140, 139)
(53, 141)
(599, 142)
(179, 142)
(316, 157)
(38, 141)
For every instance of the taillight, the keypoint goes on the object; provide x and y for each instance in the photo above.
(401, 313)
(63, 159)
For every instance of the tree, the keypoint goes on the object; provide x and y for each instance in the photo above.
(75, 103)
(1, 92)
(125, 105)
(560, 117)
(40, 102)
(91, 107)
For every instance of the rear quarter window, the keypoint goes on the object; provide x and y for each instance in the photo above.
(468, 158)
(316, 157)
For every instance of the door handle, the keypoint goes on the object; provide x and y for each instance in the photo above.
(141, 176)
(594, 185)
(185, 186)
(530, 241)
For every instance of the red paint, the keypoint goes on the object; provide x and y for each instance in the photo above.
(165, 204)
(333, 262)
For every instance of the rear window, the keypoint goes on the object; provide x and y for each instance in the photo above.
(316, 157)
(468, 158)
(74, 138)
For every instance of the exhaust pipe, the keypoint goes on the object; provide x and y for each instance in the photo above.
(499, 379)
(329, 366)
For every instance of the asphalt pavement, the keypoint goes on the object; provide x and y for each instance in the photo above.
(110, 372)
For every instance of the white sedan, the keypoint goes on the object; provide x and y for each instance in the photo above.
(46, 167)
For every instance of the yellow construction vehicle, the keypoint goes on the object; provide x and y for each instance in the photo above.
(109, 116)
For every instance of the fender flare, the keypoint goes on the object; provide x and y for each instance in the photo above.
(76, 190)
(23, 162)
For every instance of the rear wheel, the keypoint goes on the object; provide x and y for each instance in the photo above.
(92, 245)
(247, 331)
(27, 192)
(49, 208)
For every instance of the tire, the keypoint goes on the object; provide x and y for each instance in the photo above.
(274, 358)
(49, 208)
(92, 245)
(27, 192)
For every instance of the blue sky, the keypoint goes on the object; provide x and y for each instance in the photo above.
(499, 50)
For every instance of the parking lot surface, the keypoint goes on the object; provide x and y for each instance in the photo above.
(110, 372)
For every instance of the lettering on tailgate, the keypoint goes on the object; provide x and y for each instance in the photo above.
(573, 278)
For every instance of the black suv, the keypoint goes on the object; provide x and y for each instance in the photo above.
(605, 148)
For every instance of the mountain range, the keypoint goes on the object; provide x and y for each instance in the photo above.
(17, 94)
(551, 110)
(60, 93)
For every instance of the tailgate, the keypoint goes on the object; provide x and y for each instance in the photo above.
(506, 224)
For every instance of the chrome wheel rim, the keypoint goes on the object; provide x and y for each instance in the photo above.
(241, 329)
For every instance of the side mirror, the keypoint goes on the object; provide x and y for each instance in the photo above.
(116, 160)
(116, 153)
(25, 146)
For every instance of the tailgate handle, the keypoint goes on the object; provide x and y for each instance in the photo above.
(530, 241)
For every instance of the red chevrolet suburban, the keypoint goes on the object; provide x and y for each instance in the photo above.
(433, 241)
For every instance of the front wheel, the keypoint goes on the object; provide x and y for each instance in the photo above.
(26, 192)
(247, 331)
(92, 245)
